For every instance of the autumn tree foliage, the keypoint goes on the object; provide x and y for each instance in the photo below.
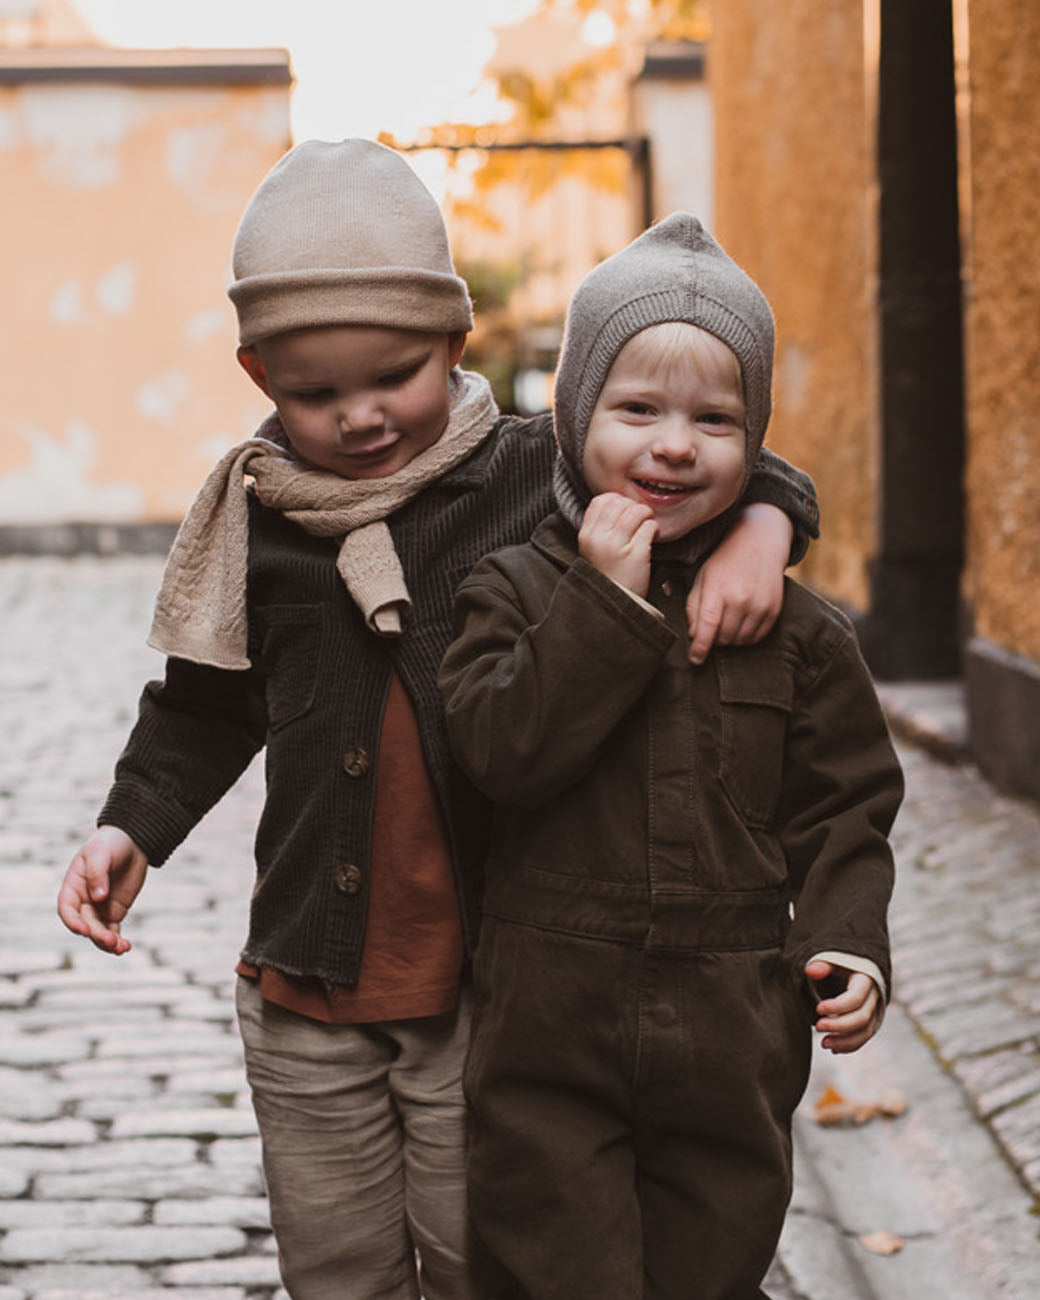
(551, 99)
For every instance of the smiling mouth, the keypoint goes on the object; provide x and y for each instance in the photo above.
(663, 489)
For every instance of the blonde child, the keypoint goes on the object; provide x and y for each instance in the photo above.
(679, 853)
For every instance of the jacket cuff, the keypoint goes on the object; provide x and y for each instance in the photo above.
(156, 823)
(792, 492)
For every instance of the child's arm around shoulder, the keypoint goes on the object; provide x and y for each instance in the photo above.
(738, 592)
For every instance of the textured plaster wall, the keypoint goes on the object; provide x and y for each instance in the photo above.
(793, 202)
(1003, 323)
(116, 341)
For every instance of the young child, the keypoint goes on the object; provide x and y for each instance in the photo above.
(308, 613)
(644, 996)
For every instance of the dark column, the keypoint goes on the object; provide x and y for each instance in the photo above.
(913, 626)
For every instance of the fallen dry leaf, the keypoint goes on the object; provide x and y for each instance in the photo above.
(833, 1107)
(882, 1242)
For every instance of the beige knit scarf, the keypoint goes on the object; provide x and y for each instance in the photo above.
(200, 612)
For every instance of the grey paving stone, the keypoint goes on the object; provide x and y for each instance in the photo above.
(230, 1153)
(1019, 1128)
(140, 1245)
(208, 1123)
(185, 1181)
(116, 999)
(220, 1082)
(147, 1293)
(14, 1181)
(111, 1279)
(30, 1099)
(71, 1214)
(153, 1153)
(15, 961)
(980, 1075)
(1025, 996)
(13, 995)
(246, 1270)
(120, 1087)
(165, 1039)
(949, 988)
(42, 1049)
(92, 1024)
(102, 973)
(159, 1066)
(110, 1109)
(203, 1005)
(1011, 1093)
(236, 1211)
(51, 1133)
(971, 1030)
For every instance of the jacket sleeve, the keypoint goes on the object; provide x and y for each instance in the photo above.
(774, 482)
(195, 735)
(842, 788)
(530, 695)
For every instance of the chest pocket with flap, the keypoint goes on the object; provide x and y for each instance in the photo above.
(757, 694)
(289, 648)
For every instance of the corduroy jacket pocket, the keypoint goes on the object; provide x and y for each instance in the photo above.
(289, 648)
(757, 697)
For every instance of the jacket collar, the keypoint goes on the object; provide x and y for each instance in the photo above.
(557, 539)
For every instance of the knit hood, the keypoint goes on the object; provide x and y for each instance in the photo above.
(675, 271)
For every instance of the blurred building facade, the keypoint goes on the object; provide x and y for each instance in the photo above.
(878, 174)
(124, 173)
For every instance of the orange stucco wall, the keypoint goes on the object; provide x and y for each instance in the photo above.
(794, 179)
(117, 341)
(1003, 321)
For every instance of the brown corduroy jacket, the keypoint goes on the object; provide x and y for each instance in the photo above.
(641, 800)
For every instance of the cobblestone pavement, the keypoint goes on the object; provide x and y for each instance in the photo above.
(129, 1163)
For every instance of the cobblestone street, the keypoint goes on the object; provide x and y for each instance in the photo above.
(130, 1162)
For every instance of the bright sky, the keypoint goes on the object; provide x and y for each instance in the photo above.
(362, 66)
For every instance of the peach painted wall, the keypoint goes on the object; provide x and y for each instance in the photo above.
(117, 366)
(793, 205)
(1001, 185)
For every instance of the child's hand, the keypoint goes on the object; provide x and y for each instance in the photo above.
(616, 536)
(739, 589)
(850, 1018)
(102, 881)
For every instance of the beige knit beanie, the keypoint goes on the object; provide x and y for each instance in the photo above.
(344, 234)
(675, 271)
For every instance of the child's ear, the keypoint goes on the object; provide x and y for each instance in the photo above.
(456, 347)
(254, 368)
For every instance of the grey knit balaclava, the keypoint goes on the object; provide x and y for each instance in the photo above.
(675, 271)
(344, 234)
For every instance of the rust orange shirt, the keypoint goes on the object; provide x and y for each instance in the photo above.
(413, 952)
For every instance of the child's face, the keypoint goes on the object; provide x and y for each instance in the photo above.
(358, 400)
(669, 433)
